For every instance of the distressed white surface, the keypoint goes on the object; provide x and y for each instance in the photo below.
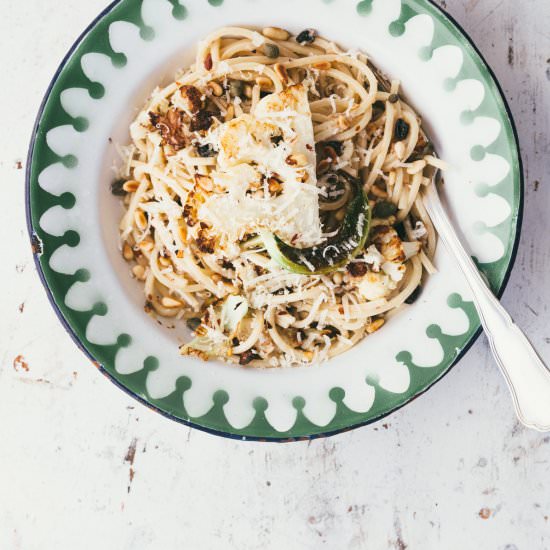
(418, 480)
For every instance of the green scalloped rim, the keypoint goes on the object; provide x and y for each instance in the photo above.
(70, 74)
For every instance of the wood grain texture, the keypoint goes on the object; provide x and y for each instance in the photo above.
(84, 466)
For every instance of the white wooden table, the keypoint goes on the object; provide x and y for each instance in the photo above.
(453, 470)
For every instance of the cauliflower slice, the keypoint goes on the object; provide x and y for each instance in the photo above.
(374, 286)
(386, 257)
(374, 258)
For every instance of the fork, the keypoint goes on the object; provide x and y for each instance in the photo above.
(527, 376)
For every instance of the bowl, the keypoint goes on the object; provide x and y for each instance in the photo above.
(133, 46)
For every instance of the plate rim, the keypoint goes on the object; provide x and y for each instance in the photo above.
(190, 423)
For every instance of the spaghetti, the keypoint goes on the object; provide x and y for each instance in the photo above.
(268, 134)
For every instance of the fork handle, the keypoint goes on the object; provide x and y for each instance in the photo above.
(527, 376)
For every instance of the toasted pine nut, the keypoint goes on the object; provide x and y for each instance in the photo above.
(337, 278)
(217, 90)
(399, 149)
(130, 186)
(139, 272)
(127, 252)
(375, 325)
(230, 115)
(165, 262)
(275, 33)
(322, 66)
(216, 277)
(281, 72)
(340, 215)
(141, 219)
(170, 302)
(264, 82)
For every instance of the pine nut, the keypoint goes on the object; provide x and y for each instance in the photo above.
(230, 115)
(322, 66)
(139, 272)
(127, 252)
(141, 219)
(216, 277)
(264, 82)
(170, 302)
(375, 325)
(217, 90)
(247, 91)
(340, 215)
(399, 149)
(130, 186)
(337, 278)
(165, 262)
(276, 33)
(342, 122)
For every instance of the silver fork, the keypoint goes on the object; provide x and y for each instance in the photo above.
(527, 376)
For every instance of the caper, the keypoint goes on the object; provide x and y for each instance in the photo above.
(206, 150)
(248, 357)
(307, 37)
(236, 88)
(117, 188)
(401, 130)
(272, 50)
(384, 209)
(414, 295)
(193, 323)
